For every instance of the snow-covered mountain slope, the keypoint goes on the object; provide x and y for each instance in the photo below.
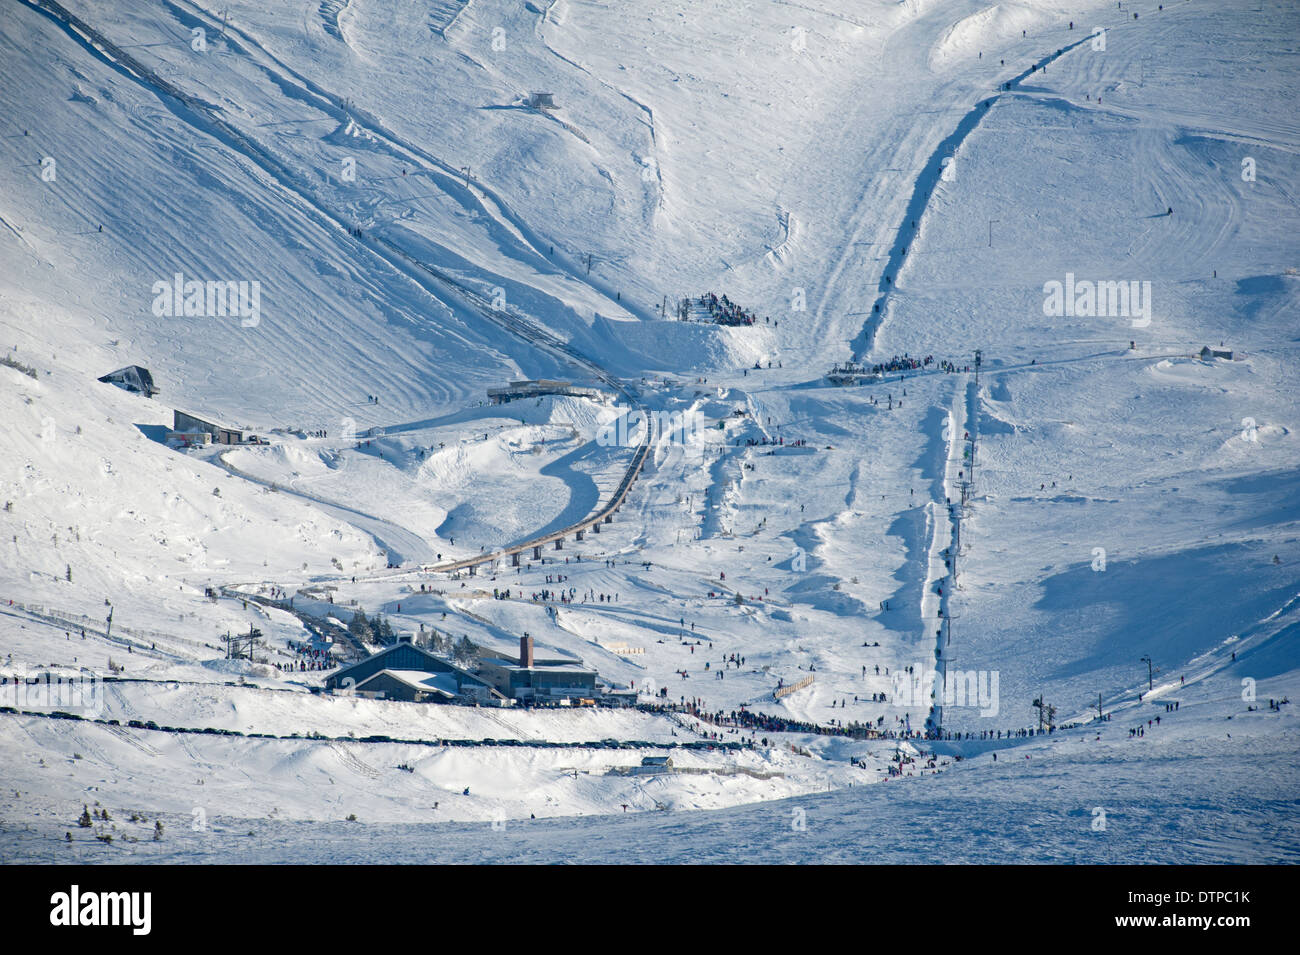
(1177, 799)
(874, 180)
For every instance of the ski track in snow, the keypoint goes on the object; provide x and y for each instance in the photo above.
(526, 330)
(923, 191)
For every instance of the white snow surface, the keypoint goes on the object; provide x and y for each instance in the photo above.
(857, 174)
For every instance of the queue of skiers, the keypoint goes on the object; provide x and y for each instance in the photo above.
(744, 719)
(720, 309)
(309, 658)
(903, 362)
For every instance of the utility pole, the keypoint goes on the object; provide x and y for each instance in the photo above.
(947, 623)
(109, 632)
(1150, 673)
(991, 221)
(979, 360)
(1100, 714)
(970, 464)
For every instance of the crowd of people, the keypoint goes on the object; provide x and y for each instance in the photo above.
(720, 309)
(744, 719)
(309, 658)
(996, 734)
(903, 362)
(851, 372)
(567, 595)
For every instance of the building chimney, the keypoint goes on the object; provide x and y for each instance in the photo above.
(526, 651)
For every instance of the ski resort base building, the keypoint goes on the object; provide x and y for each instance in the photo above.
(537, 680)
(408, 673)
(412, 674)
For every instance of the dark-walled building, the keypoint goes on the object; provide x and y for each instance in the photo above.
(132, 378)
(407, 672)
(540, 680)
(188, 423)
